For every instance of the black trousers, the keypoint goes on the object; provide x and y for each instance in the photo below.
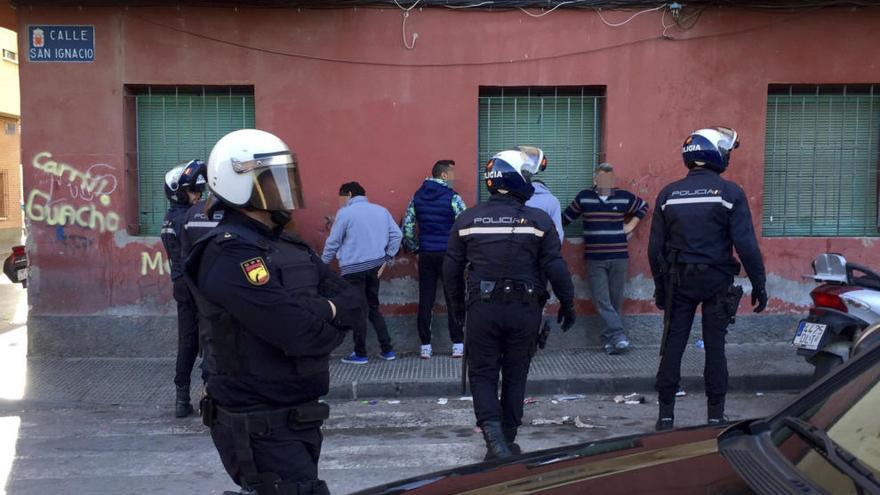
(187, 333)
(501, 337)
(430, 271)
(696, 288)
(291, 454)
(367, 283)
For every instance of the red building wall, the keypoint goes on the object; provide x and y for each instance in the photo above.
(355, 104)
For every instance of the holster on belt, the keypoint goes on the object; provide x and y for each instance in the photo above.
(727, 303)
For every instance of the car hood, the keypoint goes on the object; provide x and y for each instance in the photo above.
(679, 461)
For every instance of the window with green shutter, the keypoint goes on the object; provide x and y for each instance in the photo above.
(821, 161)
(175, 125)
(565, 122)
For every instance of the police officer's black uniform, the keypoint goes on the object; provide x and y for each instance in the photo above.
(187, 317)
(268, 332)
(197, 223)
(270, 314)
(510, 251)
(179, 182)
(698, 221)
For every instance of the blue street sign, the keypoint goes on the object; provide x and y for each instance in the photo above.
(61, 43)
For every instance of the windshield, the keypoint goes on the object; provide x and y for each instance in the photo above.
(848, 413)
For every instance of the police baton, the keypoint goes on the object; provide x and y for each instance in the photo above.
(670, 281)
(464, 357)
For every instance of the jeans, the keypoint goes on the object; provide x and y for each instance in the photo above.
(367, 282)
(430, 271)
(607, 278)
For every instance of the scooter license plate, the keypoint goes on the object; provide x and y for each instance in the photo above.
(809, 335)
(22, 274)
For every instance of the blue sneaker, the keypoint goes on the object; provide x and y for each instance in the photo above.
(619, 347)
(355, 359)
(388, 356)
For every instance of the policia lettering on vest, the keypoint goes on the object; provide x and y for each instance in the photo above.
(698, 222)
(510, 252)
(270, 314)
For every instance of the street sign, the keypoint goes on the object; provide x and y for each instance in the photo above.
(61, 43)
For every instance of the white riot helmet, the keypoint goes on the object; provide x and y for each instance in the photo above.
(254, 169)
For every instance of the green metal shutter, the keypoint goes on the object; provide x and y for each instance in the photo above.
(175, 126)
(564, 122)
(821, 162)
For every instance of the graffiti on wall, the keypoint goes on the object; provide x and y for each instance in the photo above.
(154, 262)
(69, 196)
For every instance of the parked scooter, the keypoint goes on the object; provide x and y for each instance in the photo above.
(844, 306)
(16, 266)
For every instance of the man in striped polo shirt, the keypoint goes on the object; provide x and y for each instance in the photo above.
(609, 216)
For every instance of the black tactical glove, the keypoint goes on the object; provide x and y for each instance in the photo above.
(349, 311)
(759, 298)
(566, 316)
(457, 312)
(659, 294)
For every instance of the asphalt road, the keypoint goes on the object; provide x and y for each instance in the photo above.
(82, 448)
(125, 450)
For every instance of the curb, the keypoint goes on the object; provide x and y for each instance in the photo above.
(599, 384)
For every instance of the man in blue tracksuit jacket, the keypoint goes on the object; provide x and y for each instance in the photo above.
(543, 199)
(364, 237)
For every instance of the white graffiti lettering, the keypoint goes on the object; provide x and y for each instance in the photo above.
(38, 208)
(87, 183)
(154, 262)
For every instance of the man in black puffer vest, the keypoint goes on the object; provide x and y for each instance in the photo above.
(433, 209)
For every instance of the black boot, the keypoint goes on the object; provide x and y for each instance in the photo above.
(182, 406)
(715, 412)
(666, 418)
(510, 437)
(496, 445)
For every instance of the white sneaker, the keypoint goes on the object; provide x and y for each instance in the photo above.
(458, 350)
(426, 352)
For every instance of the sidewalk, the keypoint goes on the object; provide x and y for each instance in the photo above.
(755, 367)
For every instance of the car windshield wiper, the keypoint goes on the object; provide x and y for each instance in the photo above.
(836, 455)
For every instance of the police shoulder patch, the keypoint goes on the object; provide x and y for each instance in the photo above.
(255, 271)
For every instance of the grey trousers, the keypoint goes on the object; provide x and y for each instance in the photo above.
(607, 278)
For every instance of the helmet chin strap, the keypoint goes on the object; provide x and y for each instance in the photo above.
(280, 218)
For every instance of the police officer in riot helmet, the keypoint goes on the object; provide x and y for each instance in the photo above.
(698, 222)
(271, 313)
(184, 185)
(510, 251)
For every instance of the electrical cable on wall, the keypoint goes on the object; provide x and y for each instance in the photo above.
(556, 56)
(470, 6)
(415, 36)
(772, 5)
(618, 24)
(560, 4)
